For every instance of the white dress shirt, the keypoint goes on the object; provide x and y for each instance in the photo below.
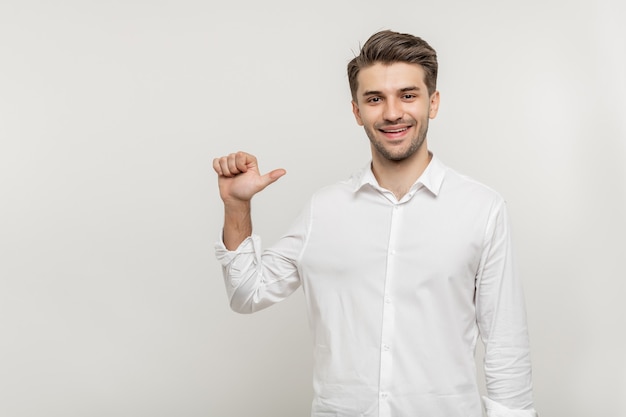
(397, 293)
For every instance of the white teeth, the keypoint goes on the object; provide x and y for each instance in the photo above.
(396, 131)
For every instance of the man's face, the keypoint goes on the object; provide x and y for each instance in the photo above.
(393, 105)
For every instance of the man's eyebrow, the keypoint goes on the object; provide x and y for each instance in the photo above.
(411, 88)
(372, 93)
(402, 90)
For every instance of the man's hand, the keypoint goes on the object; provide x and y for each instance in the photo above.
(239, 178)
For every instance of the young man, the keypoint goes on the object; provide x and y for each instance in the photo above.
(403, 266)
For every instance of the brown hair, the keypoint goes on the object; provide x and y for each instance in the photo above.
(388, 47)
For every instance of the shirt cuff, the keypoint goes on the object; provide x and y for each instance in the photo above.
(495, 409)
(225, 256)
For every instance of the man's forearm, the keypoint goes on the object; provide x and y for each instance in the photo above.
(237, 224)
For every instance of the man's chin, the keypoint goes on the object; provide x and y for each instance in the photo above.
(397, 156)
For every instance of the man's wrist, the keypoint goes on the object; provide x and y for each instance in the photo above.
(237, 206)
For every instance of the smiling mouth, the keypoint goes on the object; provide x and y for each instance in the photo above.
(398, 130)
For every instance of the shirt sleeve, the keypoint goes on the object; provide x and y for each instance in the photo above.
(256, 279)
(501, 319)
(498, 410)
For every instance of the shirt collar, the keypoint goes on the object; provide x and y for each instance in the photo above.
(431, 178)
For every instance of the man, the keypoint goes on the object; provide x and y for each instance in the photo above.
(403, 266)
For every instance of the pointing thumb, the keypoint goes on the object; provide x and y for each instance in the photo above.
(272, 176)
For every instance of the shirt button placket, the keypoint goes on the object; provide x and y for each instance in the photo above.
(386, 359)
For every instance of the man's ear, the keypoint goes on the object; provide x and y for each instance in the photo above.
(433, 108)
(357, 113)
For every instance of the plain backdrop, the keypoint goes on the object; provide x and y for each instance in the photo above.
(111, 300)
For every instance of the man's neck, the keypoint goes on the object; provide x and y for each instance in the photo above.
(399, 176)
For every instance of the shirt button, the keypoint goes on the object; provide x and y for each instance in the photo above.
(386, 348)
(387, 300)
(384, 395)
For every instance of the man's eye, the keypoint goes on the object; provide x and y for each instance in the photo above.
(374, 100)
(408, 96)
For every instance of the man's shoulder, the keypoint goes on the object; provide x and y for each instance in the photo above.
(457, 183)
(343, 188)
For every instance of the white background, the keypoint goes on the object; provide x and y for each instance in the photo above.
(111, 301)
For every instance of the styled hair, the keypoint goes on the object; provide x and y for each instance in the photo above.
(388, 47)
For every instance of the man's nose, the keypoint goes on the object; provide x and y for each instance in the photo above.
(393, 110)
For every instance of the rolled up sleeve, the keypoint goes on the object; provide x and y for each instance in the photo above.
(256, 279)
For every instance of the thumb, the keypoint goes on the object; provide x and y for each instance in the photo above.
(272, 176)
